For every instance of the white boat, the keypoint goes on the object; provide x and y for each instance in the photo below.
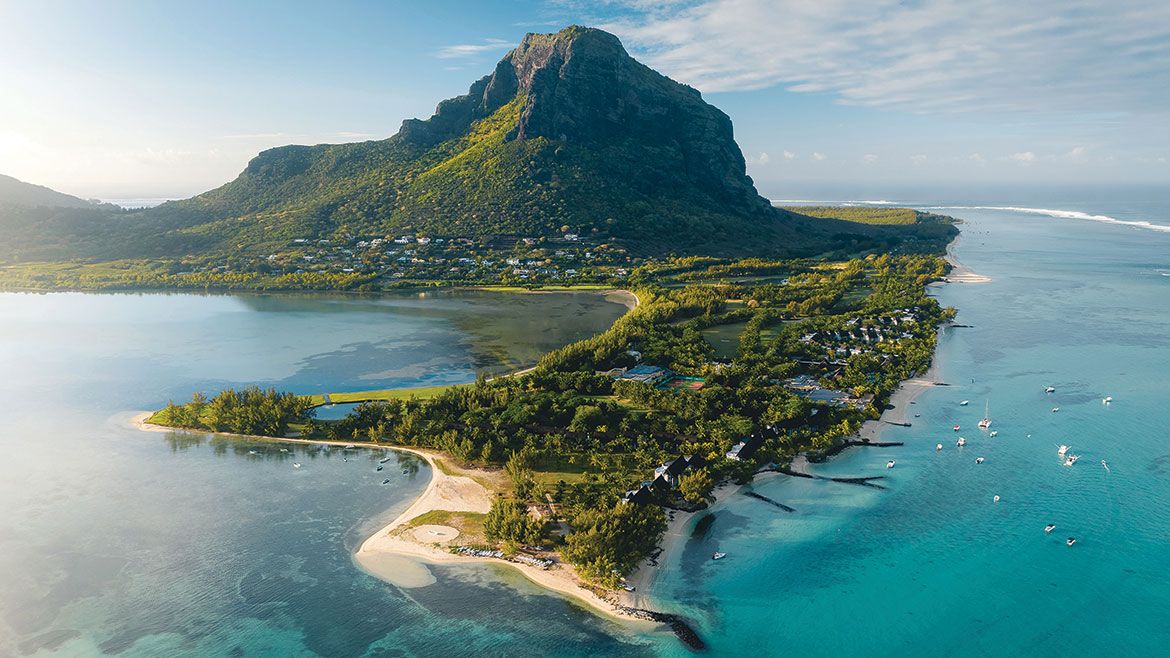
(964, 403)
(890, 464)
(380, 467)
(986, 422)
(1050, 527)
(386, 481)
(956, 428)
(1071, 459)
(1105, 465)
(1070, 541)
(961, 442)
(383, 460)
(1050, 390)
(938, 447)
(350, 446)
(297, 465)
(718, 556)
(995, 499)
(978, 460)
(1055, 409)
(252, 452)
(1108, 399)
(1063, 449)
(994, 433)
(628, 588)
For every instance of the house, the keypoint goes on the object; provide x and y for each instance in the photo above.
(745, 449)
(643, 494)
(646, 374)
(668, 473)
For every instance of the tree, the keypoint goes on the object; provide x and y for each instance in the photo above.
(696, 485)
(508, 520)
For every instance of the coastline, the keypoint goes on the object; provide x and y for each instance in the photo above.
(960, 273)
(398, 556)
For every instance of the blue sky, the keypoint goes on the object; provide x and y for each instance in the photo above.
(138, 98)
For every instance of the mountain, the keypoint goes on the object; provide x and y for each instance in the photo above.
(568, 134)
(18, 193)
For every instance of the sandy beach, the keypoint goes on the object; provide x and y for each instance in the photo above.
(960, 273)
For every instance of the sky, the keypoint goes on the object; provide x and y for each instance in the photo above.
(136, 98)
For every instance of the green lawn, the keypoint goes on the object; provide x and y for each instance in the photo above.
(421, 393)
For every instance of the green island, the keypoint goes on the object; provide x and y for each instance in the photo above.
(592, 444)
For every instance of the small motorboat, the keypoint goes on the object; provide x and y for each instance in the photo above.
(1070, 541)
(350, 446)
(1062, 450)
(961, 442)
(1107, 399)
(380, 467)
(253, 452)
(978, 460)
(628, 588)
(1050, 527)
(386, 481)
(994, 433)
(890, 464)
(718, 556)
(995, 499)
(964, 403)
(1105, 465)
(918, 415)
(938, 447)
(1055, 409)
(404, 471)
(284, 449)
(383, 460)
(297, 465)
(1071, 459)
(956, 428)
(1050, 390)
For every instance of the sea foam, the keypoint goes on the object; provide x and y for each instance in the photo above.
(1063, 214)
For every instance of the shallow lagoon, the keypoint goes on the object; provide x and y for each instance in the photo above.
(120, 542)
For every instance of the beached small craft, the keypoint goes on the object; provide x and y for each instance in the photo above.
(350, 446)
(718, 556)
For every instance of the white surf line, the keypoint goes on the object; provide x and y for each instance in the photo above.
(1062, 214)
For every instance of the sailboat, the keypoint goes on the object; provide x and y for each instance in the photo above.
(986, 422)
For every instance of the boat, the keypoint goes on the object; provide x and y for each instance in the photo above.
(1070, 541)
(994, 433)
(918, 415)
(1050, 390)
(986, 422)
(1071, 459)
(297, 465)
(938, 447)
(1050, 527)
(628, 588)
(404, 471)
(956, 428)
(252, 452)
(1055, 409)
(380, 467)
(350, 446)
(1063, 449)
(964, 403)
(386, 481)
(383, 460)
(890, 464)
(961, 442)
(284, 449)
(718, 556)
(1107, 399)
(978, 460)
(995, 499)
(1105, 465)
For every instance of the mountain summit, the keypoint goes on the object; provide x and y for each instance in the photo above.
(569, 134)
(567, 131)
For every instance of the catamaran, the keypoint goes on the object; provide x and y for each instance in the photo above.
(718, 556)
(1063, 449)
(986, 422)
(1071, 459)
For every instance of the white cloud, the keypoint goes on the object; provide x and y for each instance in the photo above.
(463, 50)
(977, 158)
(763, 159)
(819, 156)
(1023, 157)
(789, 155)
(918, 159)
(1077, 153)
(951, 55)
(869, 157)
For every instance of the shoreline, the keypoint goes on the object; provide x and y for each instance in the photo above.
(960, 273)
(392, 556)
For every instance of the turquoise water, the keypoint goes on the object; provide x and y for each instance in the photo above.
(120, 542)
(932, 566)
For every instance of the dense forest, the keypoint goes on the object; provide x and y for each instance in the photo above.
(575, 433)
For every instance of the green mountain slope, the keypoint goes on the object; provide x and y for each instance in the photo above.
(567, 134)
(15, 192)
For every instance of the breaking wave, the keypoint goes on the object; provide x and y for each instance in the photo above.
(1063, 214)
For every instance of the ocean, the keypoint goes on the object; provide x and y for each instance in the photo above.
(1079, 301)
(122, 543)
